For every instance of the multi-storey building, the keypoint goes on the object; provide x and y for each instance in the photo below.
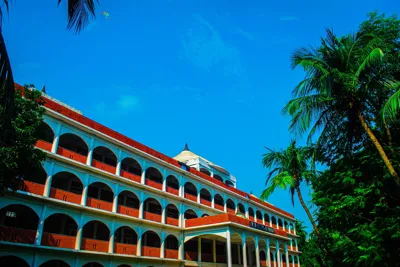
(103, 199)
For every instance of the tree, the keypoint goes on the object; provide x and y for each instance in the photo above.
(20, 157)
(343, 91)
(290, 168)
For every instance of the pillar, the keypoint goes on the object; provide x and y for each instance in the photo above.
(54, 147)
(199, 249)
(244, 251)
(118, 170)
(111, 241)
(278, 253)
(139, 242)
(39, 231)
(162, 248)
(247, 213)
(268, 253)
(228, 248)
(163, 214)
(213, 202)
(164, 184)
(181, 250)
(84, 195)
(143, 178)
(286, 254)
(292, 260)
(198, 195)
(298, 261)
(78, 238)
(257, 253)
(115, 200)
(274, 258)
(214, 250)
(47, 186)
(238, 255)
(297, 248)
(141, 209)
(89, 157)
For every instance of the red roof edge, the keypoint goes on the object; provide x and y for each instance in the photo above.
(126, 140)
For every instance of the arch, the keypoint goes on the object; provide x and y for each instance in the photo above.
(291, 227)
(273, 220)
(102, 191)
(286, 225)
(172, 184)
(229, 183)
(205, 197)
(74, 143)
(128, 203)
(154, 178)
(152, 210)
(36, 175)
(131, 165)
(61, 224)
(230, 206)
(266, 218)
(126, 235)
(263, 258)
(64, 182)
(190, 214)
(251, 213)
(205, 171)
(280, 224)
(93, 264)
(190, 189)
(96, 230)
(151, 244)
(45, 133)
(219, 178)
(55, 263)
(171, 242)
(13, 261)
(218, 202)
(172, 214)
(259, 215)
(241, 208)
(105, 155)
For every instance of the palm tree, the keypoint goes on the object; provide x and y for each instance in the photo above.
(79, 12)
(341, 95)
(290, 168)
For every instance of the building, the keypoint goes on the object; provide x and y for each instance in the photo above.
(103, 199)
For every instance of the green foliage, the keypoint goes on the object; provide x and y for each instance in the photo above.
(19, 157)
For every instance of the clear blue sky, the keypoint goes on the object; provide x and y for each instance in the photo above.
(215, 74)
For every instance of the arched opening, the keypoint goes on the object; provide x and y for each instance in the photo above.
(273, 220)
(55, 263)
(18, 223)
(172, 214)
(205, 171)
(190, 214)
(218, 202)
(125, 241)
(280, 224)
(35, 180)
(191, 249)
(13, 261)
(100, 196)
(266, 219)
(251, 214)
(73, 147)
(229, 183)
(291, 228)
(93, 264)
(236, 241)
(241, 209)
(59, 230)
(128, 203)
(104, 159)
(152, 210)
(251, 252)
(205, 197)
(67, 187)
(95, 236)
(230, 206)
(259, 216)
(286, 225)
(171, 247)
(291, 259)
(172, 185)
(131, 169)
(151, 244)
(263, 259)
(45, 136)
(190, 191)
(154, 178)
(219, 178)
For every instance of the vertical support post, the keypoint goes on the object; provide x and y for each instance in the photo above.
(199, 250)
(78, 241)
(181, 250)
(298, 261)
(292, 256)
(244, 251)
(143, 178)
(268, 253)
(239, 253)
(228, 248)
(286, 254)
(115, 200)
(49, 179)
(89, 157)
(39, 231)
(297, 248)
(278, 253)
(214, 250)
(257, 253)
(162, 249)
(118, 169)
(54, 147)
(111, 241)
(139, 242)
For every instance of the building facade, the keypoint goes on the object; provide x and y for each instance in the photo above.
(103, 199)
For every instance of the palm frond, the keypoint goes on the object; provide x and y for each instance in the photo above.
(374, 56)
(79, 13)
(391, 108)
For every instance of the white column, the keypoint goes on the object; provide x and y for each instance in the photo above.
(291, 244)
(297, 248)
(164, 185)
(89, 157)
(139, 242)
(286, 254)
(298, 261)
(294, 228)
(39, 230)
(238, 255)
(257, 253)
(143, 178)
(214, 250)
(268, 253)
(228, 248)
(292, 260)
(181, 252)
(118, 170)
(84, 195)
(199, 250)
(54, 147)
(247, 213)
(162, 249)
(278, 253)
(213, 202)
(78, 238)
(115, 200)
(274, 257)
(198, 197)
(163, 214)
(225, 207)
(47, 186)
(244, 251)
(141, 209)
(111, 241)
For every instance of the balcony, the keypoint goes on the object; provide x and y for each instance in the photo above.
(94, 245)
(65, 195)
(150, 251)
(171, 253)
(72, 155)
(231, 211)
(103, 166)
(191, 197)
(172, 221)
(131, 176)
(44, 145)
(205, 202)
(172, 190)
(127, 249)
(99, 204)
(128, 211)
(58, 240)
(152, 216)
(18, 235)
(32, 187)
(154, 184)
(219, 207)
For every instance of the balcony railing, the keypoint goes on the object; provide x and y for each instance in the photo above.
(121, 248)
(152, 216)
(128, 211)
(191, 197)
(231, 211)
(172, 190)
(32, 187)
(153, 184)
(99, 204)
(172, 221)
(94, 245)
(58, 240)
(219, 207)
(103, 166)
(150, 251)
(205, 202)
(130, 176)
(65, 195)
(18, 235)
(72, 155)
(44, 145)
(171, 253)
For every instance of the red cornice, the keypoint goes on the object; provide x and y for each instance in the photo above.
(122, 138)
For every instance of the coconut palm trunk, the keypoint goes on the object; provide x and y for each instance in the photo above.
(379, 148)
(307, 211)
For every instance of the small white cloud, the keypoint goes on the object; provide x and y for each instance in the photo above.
(127, 102)
(288, 18)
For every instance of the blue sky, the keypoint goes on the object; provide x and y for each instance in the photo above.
(215, 74)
